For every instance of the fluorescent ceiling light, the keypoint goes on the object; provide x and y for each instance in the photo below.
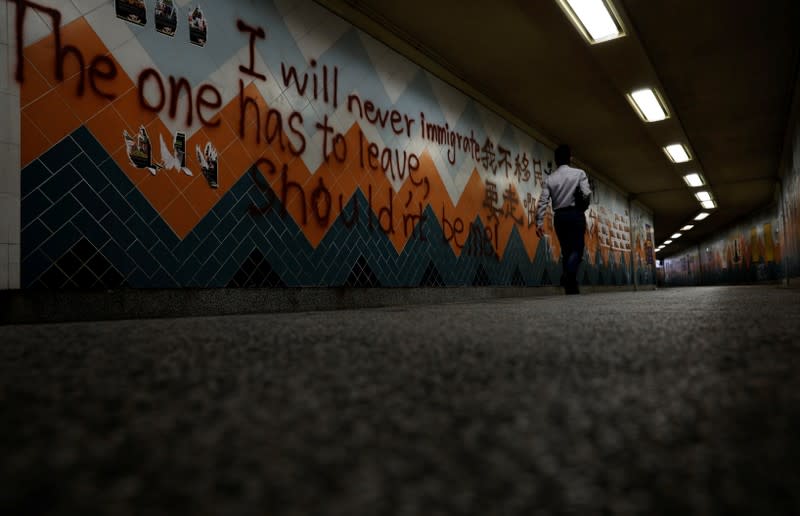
(667, 242)
(708, 205)
(596, 20)
(648, 105)
(659, 249)
(703, 196)
(677, 153)
(701, 216)
(693, 180)
(687, 227)
(676, 236)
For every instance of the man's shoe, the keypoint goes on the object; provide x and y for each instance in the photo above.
(571, 289)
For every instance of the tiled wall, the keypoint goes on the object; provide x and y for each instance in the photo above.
(9, 156)
(749, 252)
(90, 218)
(790, 202)
(763, 248)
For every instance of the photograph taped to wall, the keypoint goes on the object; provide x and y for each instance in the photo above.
(140, 150)
(134, 11)
(180, 148)
(208, 162)
(198, 27)
(174, 159)
(166, 17)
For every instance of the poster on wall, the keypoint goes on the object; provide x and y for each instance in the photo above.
(208, 162)
(166, 17)
(198, 28)
(176, 158)
(180, 149)
(140, 153)
(140, 150)
(134, 11)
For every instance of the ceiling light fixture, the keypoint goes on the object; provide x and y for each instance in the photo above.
(687, 227)
(701, 216)
(667, 242)
(596, 20)
(708, 205)
(648, 104)
(694, 180)
(677, 153)
(703, 196)
(676, 236)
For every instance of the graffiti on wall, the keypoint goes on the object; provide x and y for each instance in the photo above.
(790, 206)
(750, 252)
(302, 153)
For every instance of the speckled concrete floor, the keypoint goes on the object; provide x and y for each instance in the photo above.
(682, 401)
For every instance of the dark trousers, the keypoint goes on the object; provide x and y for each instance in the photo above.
(570, 224)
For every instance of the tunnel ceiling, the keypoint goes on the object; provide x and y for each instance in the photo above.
(727, 69)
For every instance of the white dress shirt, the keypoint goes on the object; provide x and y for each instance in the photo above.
(559, 187)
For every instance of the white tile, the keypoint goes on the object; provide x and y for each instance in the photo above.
(86, 6)
(9, 118)
(283, 105)
(9, 169)
(12, 161)
(133, 57)
(269, 89)
(104, 22)
(8, 27)
(69, 12)
(285, 7)
(4, 267)
(452, 102)
(226, 77)
(6, 209)
(5, 68)
(4, 26)
(16, 115)
(34, 29)
(314, 29)
(13, 222)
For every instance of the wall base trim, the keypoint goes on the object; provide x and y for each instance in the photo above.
(49, 306)
(792, 281)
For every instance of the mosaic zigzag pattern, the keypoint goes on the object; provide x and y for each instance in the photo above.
(85, 225)
(182, 202)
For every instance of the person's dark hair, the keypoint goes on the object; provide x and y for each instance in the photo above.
(563, 155)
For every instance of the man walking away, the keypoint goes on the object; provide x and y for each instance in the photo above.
(562, 188)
